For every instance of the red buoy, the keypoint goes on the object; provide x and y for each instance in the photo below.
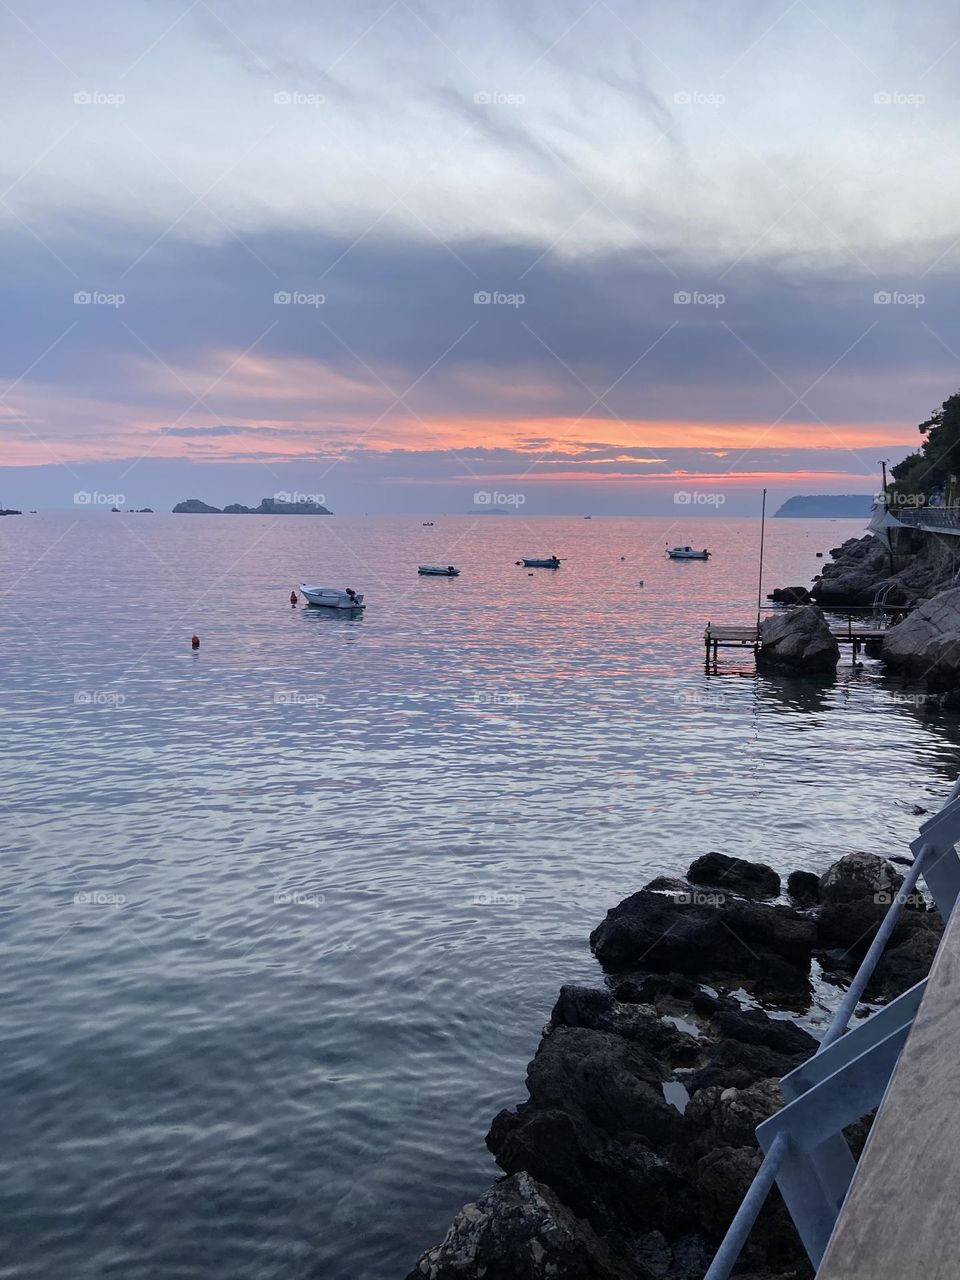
(293, 598)
(195, 642)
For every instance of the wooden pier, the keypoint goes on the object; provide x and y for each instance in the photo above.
(721, 636)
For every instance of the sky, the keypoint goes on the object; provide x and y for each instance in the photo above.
(580, 257)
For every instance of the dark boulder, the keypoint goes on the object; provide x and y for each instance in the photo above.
(902, 967)
(790, 595)
(599, 1011)
(860, 877)
(804, 888)
(520, 1230)
(735, 938)
(753, 1026)
(749, 879)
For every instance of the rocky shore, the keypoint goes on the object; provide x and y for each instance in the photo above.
(917, 575)
(636, 1142)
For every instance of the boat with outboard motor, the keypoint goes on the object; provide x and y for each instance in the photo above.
(332, 597)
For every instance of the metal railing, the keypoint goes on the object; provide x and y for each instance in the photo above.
(947, 518)
(805, 1153)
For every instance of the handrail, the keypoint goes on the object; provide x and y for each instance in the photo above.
(944, 889)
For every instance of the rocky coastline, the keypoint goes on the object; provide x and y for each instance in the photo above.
(636, 1142)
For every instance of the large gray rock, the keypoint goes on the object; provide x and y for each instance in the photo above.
(860, 877)
(519, 1230)
(927, 643)
(798, 640)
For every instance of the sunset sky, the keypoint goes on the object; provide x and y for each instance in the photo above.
(396, 253)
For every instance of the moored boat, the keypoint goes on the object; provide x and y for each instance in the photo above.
(438, 571)
(331, 597)
(687, 553)
(548, 562)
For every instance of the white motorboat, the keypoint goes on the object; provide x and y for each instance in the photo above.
(549, 562)
(438, 571)
(687, 553)
(331, 597)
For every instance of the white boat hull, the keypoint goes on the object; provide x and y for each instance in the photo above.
(331, 597)
(683, 554)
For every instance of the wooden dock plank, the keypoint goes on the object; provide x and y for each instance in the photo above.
(899, 1218)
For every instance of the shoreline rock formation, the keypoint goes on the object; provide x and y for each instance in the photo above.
(636, 1142)
(267, 507)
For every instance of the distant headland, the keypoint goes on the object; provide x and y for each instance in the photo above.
(9, 511)
(834, 506)
(267, 507)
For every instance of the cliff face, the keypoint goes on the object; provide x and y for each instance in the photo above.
(919, 566)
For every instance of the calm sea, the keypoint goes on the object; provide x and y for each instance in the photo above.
(283, 917)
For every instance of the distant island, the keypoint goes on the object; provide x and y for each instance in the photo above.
(834, 506)
(267, 507)
(9, 511)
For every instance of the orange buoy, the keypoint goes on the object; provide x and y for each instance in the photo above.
(195, 642)
(293, 598)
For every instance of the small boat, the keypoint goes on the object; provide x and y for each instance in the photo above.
(331, 597)
(550, 562)
(428, 524)
(687, 553)
(439, 571)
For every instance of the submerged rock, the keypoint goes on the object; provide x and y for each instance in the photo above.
(798, 640)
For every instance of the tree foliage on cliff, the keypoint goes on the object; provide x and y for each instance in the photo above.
(938, 457)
